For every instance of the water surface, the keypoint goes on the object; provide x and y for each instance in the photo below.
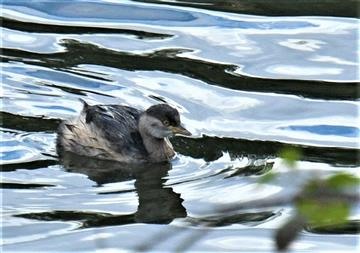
(247, 84)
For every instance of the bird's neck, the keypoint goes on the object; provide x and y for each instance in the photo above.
(159, 150)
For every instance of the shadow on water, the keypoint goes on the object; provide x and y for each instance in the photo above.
(23, 186)
(209, 148)
(167, 60)
(226, 219)
(26, 123)
(45, 28)
(28, 165)
(333, 8)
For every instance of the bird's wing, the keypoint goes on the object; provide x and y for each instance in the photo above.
(118, 125)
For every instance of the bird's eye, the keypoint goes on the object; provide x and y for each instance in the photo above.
(166, 122)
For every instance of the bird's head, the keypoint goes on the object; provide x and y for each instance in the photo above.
(162, 120)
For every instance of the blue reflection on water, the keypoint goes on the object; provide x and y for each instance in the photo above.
(100, 10)
(259, 46)
(12, 155)
(345, 131)
(128, 13)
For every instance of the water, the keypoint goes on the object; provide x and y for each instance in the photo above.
(246, 87)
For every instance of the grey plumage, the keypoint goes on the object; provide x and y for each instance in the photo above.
(119, 125)
(121, 133)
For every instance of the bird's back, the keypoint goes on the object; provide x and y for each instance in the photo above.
(104, 131)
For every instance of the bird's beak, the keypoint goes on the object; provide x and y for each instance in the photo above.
(180, 130)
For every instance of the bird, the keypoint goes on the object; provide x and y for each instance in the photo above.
(121, 133)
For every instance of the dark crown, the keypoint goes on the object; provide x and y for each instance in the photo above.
(164, 112)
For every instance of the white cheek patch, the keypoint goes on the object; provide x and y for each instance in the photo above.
(156, 128)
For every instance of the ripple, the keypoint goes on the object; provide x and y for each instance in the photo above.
(237, 36)
(246, 86)
(33, 231)
(23, 147)
(303, 45)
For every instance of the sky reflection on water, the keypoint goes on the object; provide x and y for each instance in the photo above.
(246, 86)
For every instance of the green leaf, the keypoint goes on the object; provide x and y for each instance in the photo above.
(342, 180)
(290, 156)
(320, 213)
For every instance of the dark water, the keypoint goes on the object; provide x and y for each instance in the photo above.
(246, 86)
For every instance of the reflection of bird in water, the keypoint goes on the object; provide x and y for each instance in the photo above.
(122, 133)
(157, 203)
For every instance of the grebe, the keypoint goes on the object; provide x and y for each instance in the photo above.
(121, 133)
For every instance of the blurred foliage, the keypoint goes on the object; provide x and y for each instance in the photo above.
(340, 181)
(290, 156)
(323, 213)
(288, 232)
(320, 203)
